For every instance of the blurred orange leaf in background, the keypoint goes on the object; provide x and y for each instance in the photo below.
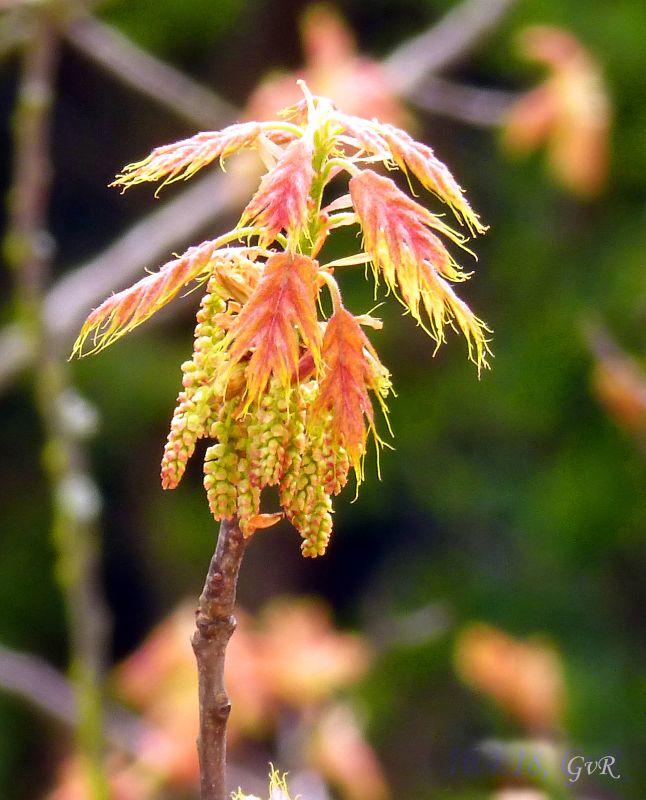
(569, 112)
(291, 658)
(619, 383)
(525, 678)
(333, 68)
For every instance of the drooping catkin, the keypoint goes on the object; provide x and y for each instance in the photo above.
(195, 404)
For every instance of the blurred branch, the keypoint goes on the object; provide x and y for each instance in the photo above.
(28, 249)
(12, 33)
(17, 349)
(44, 687)
(443, 43)
(37, 682)
(472, 105)
(146, 242)
(135, 67)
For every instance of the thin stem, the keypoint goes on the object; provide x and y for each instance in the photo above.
(333, 288)
(29, 249)
(215, 624)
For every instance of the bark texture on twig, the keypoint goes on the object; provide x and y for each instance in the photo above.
(215, 624)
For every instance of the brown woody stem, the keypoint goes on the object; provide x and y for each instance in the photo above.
(215, 624)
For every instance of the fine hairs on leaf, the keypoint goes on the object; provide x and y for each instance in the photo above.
(285, 396)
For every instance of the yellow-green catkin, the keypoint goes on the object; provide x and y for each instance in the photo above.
(269, 435)
(221, 465)
(316, 471)
(193, 414)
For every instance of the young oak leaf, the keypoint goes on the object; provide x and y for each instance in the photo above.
(278, 316)
(127, 309)
(363, 134)
(414, 262)
(352, 369)
(392, 144)
(444, 307)
(418, 158)
(181, 160)
(281, 200)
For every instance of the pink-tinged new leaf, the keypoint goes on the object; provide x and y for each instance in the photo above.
(181, 160)
(364, 133)
(124, 311)
(352, 368)
(280, 314)
(444, 307)
(281, 200)
(435, 176)
(414, 262)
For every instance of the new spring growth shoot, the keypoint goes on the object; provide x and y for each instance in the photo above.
(287, 397)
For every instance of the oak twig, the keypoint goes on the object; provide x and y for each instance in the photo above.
(215, 624)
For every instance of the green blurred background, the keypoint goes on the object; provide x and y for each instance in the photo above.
(514, 499)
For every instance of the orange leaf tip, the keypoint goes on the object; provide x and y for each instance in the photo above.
(352, 369)
(281, 200)
(279, 316)
(127, 309)
(418, 158)
(415, 264)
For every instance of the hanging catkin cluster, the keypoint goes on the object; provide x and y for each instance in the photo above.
(284, 392)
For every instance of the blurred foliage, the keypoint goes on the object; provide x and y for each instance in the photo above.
(513, 500)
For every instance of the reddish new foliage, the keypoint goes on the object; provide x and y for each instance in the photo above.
(285, 398)
(352, 369)
(279, 315)
(414, 262)
(431, 173)
(281, 200)
(181, 160)
(122, 312)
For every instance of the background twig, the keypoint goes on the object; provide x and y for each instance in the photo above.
(75, 503)
(147, 241)
(444, 43)
(485, 108)
(43, 686)
(182, 95)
